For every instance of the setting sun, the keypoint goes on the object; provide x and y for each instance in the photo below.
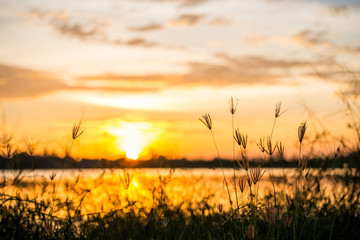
(133, 138)
(132, 155)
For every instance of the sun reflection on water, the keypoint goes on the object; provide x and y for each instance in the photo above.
(102, 190)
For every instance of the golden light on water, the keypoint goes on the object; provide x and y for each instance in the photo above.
(185, 185)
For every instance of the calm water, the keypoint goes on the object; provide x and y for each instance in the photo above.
(104, 190)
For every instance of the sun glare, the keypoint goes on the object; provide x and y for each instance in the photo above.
(133, 138)
(132, 155)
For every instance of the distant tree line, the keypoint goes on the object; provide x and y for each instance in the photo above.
(25, 161)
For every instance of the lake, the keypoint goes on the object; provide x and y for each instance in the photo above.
(103, 190)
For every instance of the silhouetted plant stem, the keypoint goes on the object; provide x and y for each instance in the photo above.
(222, 169)
(233, 141)
(61, 175)
(332, 227)
(272, 130)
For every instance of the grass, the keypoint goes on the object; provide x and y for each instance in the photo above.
(293, 207)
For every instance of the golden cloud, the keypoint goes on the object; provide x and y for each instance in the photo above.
(22, 83)
(186, 20)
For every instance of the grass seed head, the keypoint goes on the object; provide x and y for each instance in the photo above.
(237, 137)
(9, 152)
(278, 112)
(301, 131)
(240, 138)
(256, 174)
(281, 148)
(76, 133)
(244, 140)
(52, 176)
(270, 149)
(126, 179)
(29, 146)
(5, 138)
(261, 144)
(232, 105)
(249, 182)
(242, 184)
(220, 207)
(206, 119)
(336, 153)
(165, 221)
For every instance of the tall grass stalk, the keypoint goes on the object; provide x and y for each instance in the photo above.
(301, 166)
(232, 111)
(76, 133)
(208, 123)
(278, 113)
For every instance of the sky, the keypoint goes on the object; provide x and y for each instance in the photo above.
(140, 74)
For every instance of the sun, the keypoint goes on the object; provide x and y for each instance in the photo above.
(132, 155)
(132, 138)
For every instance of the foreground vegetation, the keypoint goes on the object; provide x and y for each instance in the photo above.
(308, 213)
(302, 209)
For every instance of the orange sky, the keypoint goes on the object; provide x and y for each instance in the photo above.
(140, 74)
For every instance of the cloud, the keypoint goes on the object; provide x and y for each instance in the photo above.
(310, 38)
(191, 3)
(230, 71)
(255, 39)
(75, 30)
(184, 3)
(345, 79)
(186, 20)
(88, 29)
(135, 42)
(150, 27)
(337, 10)
(314, 39)
(243, 70)
(219, 21)
(183, 20)
(61, 22)
(18, 82)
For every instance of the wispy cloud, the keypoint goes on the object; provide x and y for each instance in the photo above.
(232, 71)
(136, 42)
(184, 3)
(61, 22)
(310, 38)
(149, 27)
(75, 29)
(88, 29)
(190, 3)
(186, 20)
(219, 21)
(337, 10)
(313, 39)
